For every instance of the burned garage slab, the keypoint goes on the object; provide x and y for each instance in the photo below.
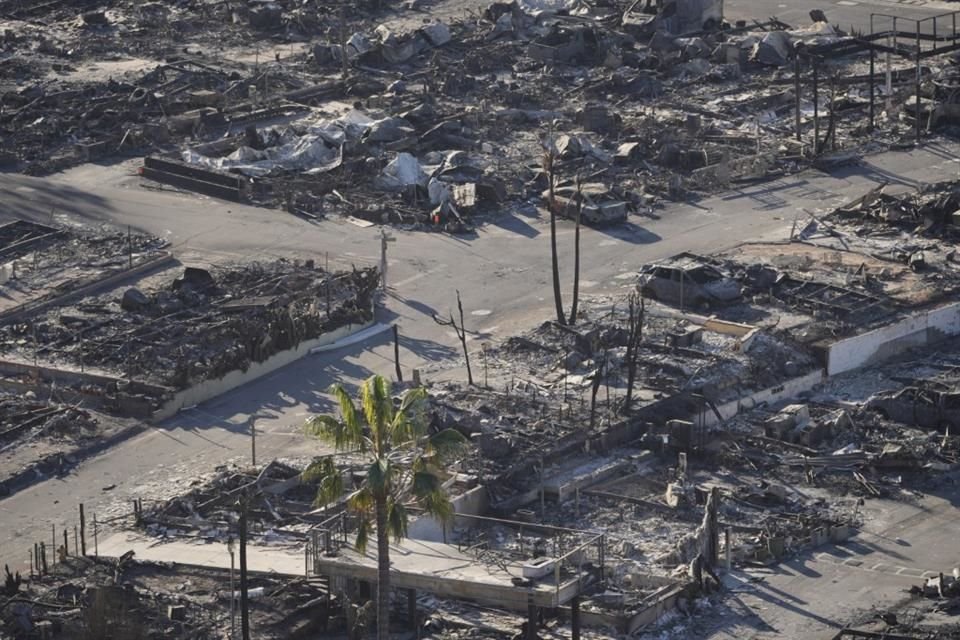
(43, 265)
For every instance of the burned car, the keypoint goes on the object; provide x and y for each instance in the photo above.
(601, 206)
(922, 406)
(688, 280)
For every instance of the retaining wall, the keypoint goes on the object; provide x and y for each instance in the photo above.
(472, 503)
(916, 330)
(658, 604)
(207, 389)
(788, 389)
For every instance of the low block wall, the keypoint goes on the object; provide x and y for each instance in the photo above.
(788, 389)
(658, 604)
(472, 503)
(207, 389)
(916, 330)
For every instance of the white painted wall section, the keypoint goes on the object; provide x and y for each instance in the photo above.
(207, 389)
(916, 330)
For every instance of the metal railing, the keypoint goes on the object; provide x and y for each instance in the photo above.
(326, 538)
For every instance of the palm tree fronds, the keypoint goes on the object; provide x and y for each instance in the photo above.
(325, 472)
(323, 427)
(447, 444)
(363, 535)
(397, 521)
(351, 434)
(361, 502)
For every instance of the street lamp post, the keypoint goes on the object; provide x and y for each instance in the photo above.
(231, 546)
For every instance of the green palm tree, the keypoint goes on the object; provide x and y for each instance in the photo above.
(405, 466)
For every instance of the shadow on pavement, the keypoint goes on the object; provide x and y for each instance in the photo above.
(515, 225)
(629, 232)
(874, 174)
(36, 200)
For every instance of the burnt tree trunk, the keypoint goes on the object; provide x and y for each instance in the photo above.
(461, 332)
(554, 260)
(594, 389)
(576, 255)
(244, 598)
(635, 336)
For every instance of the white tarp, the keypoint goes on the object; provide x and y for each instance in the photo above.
(318, 148)
(575, 146)
(308, 154)
(403, 171)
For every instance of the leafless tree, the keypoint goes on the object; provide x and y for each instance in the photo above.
(595, 388)
(636, 311)
(461, 334)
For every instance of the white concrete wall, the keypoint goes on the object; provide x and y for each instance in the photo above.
(788, 389)
(946, 319)
(208, 389)
(472, 503)
(874, 346)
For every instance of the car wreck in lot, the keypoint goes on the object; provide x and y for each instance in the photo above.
(924, 406)
(688, 280)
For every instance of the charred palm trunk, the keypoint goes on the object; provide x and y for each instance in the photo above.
(383, 569)
(576, 257)
(552, 206)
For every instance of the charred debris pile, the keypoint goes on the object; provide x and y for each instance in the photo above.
(174, 332)
(280, 506)
(28, 418)
(44, 261)
(75, 596)
(586, 388)
(382, 115)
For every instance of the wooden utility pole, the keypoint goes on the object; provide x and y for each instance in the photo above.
(816, 109)
(873, 88)
(917, 81)
(244, 604)
(253, 442)
(83, 532)
(396, 352)
(796, 91)
(637, 311)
